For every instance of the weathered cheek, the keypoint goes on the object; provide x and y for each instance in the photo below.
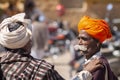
(91, 47)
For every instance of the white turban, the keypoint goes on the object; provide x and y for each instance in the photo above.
(17, 38)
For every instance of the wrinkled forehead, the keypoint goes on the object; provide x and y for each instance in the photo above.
(83, 33)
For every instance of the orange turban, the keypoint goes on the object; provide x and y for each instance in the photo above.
(97, 28)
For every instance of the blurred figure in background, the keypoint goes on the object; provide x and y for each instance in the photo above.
(40, 40)
(13, 8)
(33, 12)
(10, 8)
(39, 28)
(60, 10)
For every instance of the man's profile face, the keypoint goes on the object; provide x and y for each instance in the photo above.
(87, 41)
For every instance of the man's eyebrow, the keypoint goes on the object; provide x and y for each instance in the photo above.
(83, 37)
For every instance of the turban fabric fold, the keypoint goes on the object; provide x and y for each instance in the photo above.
(17, 38)
(97, 28)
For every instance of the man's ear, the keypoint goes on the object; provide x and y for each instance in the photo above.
(99, 44)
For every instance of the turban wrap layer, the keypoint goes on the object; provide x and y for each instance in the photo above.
(17, 38)
(97, 28)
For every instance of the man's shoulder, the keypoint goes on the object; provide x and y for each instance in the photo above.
(104, 60)
(43, 63)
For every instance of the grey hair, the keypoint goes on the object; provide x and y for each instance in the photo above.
(14, 26)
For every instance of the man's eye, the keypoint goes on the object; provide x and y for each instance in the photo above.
(78, 38)
(83, 38)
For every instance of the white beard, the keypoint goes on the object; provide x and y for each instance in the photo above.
(80, 47)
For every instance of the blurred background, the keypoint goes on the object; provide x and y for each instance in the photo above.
(62, 17)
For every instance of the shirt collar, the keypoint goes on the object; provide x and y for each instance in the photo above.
(97, 55)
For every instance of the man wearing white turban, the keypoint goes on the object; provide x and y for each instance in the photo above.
(16, 62)
(18, 38)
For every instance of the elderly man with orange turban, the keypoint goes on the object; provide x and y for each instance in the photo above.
(92, 33)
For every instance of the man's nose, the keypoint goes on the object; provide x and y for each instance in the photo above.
(80, 41)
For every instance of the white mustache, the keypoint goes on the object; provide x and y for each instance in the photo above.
(80, 47)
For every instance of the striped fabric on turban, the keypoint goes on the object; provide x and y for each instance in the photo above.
(97, 28)
(17, 38)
